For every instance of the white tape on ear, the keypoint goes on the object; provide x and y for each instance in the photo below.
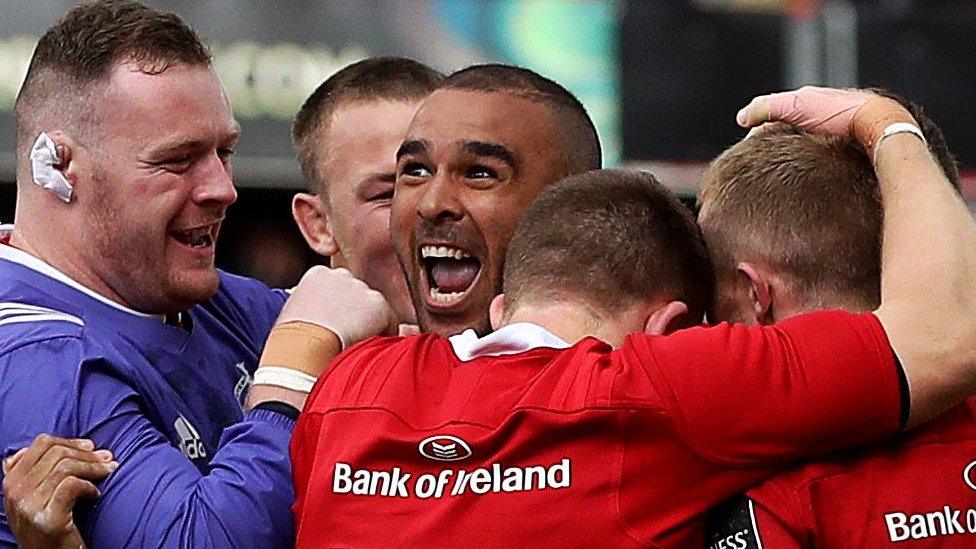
(44, 158)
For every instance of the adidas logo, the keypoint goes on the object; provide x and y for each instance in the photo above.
(190, 443)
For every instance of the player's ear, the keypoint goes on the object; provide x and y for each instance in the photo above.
(53, 163)
(312, 217)
(664, 320)
(64, 148)
(760, 296)
(496, 311)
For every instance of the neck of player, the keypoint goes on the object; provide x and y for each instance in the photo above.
(66, 264)
(573, 322)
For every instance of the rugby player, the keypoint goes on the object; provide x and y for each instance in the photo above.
(115, 325)
(772, 264)
(477, 153)
(346, 135)
(541, 432)
(508, 116)
(507, 111)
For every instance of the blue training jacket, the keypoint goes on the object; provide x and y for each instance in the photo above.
(194, 470)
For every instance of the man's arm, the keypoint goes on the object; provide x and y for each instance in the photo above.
(328, 310)
(242, 498)
(156, 496)
(928, 281)
(249, 486)
(246, 497)
(763, 396)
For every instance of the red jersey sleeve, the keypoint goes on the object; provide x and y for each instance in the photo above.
(304, 441)
(347, 376)
(759, 395)
(781, 512)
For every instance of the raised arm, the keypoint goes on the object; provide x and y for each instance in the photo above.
(328, 311)
(928, 283)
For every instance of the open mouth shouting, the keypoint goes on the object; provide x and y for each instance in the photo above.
(449, 274)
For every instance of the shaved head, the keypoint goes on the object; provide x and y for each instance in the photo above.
(73, 61)
(580, 144)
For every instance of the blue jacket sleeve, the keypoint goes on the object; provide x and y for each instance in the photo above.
(157, 497)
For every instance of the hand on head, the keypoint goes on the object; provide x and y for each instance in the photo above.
(853, 114)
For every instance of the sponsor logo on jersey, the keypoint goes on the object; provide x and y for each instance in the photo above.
(444, 448)
(967, 475)
(190, 443)
(493, 478)
(240, 389)
(732, 525)
(948, 521)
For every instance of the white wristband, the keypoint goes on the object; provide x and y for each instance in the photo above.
(898, 127)
(284, 377)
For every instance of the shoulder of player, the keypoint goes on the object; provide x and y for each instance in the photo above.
(26, 322)
(385, 353)
(243, 305)
(52, 338)
(244, 293)
(381, 345)
(370, 363)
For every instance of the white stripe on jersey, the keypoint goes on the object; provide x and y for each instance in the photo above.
(14, 307)
(15, 313)
(42, 318)
(14, 255)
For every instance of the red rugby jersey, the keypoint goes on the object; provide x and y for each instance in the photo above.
(916, 491)
(404, 444)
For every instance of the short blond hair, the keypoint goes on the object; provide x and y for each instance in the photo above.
(805, 205)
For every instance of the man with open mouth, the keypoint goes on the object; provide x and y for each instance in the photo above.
(477, 153)
(118, 332)
(346, 135)
(579, 422)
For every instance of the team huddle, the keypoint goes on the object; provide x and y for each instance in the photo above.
(511, 347)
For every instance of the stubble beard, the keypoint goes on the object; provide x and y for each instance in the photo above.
(127, 260)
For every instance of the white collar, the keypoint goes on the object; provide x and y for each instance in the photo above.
(15, 255)
(507, 340)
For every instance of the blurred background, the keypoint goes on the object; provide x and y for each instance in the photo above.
(661, 78)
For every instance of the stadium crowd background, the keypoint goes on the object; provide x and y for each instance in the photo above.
(659, 77)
